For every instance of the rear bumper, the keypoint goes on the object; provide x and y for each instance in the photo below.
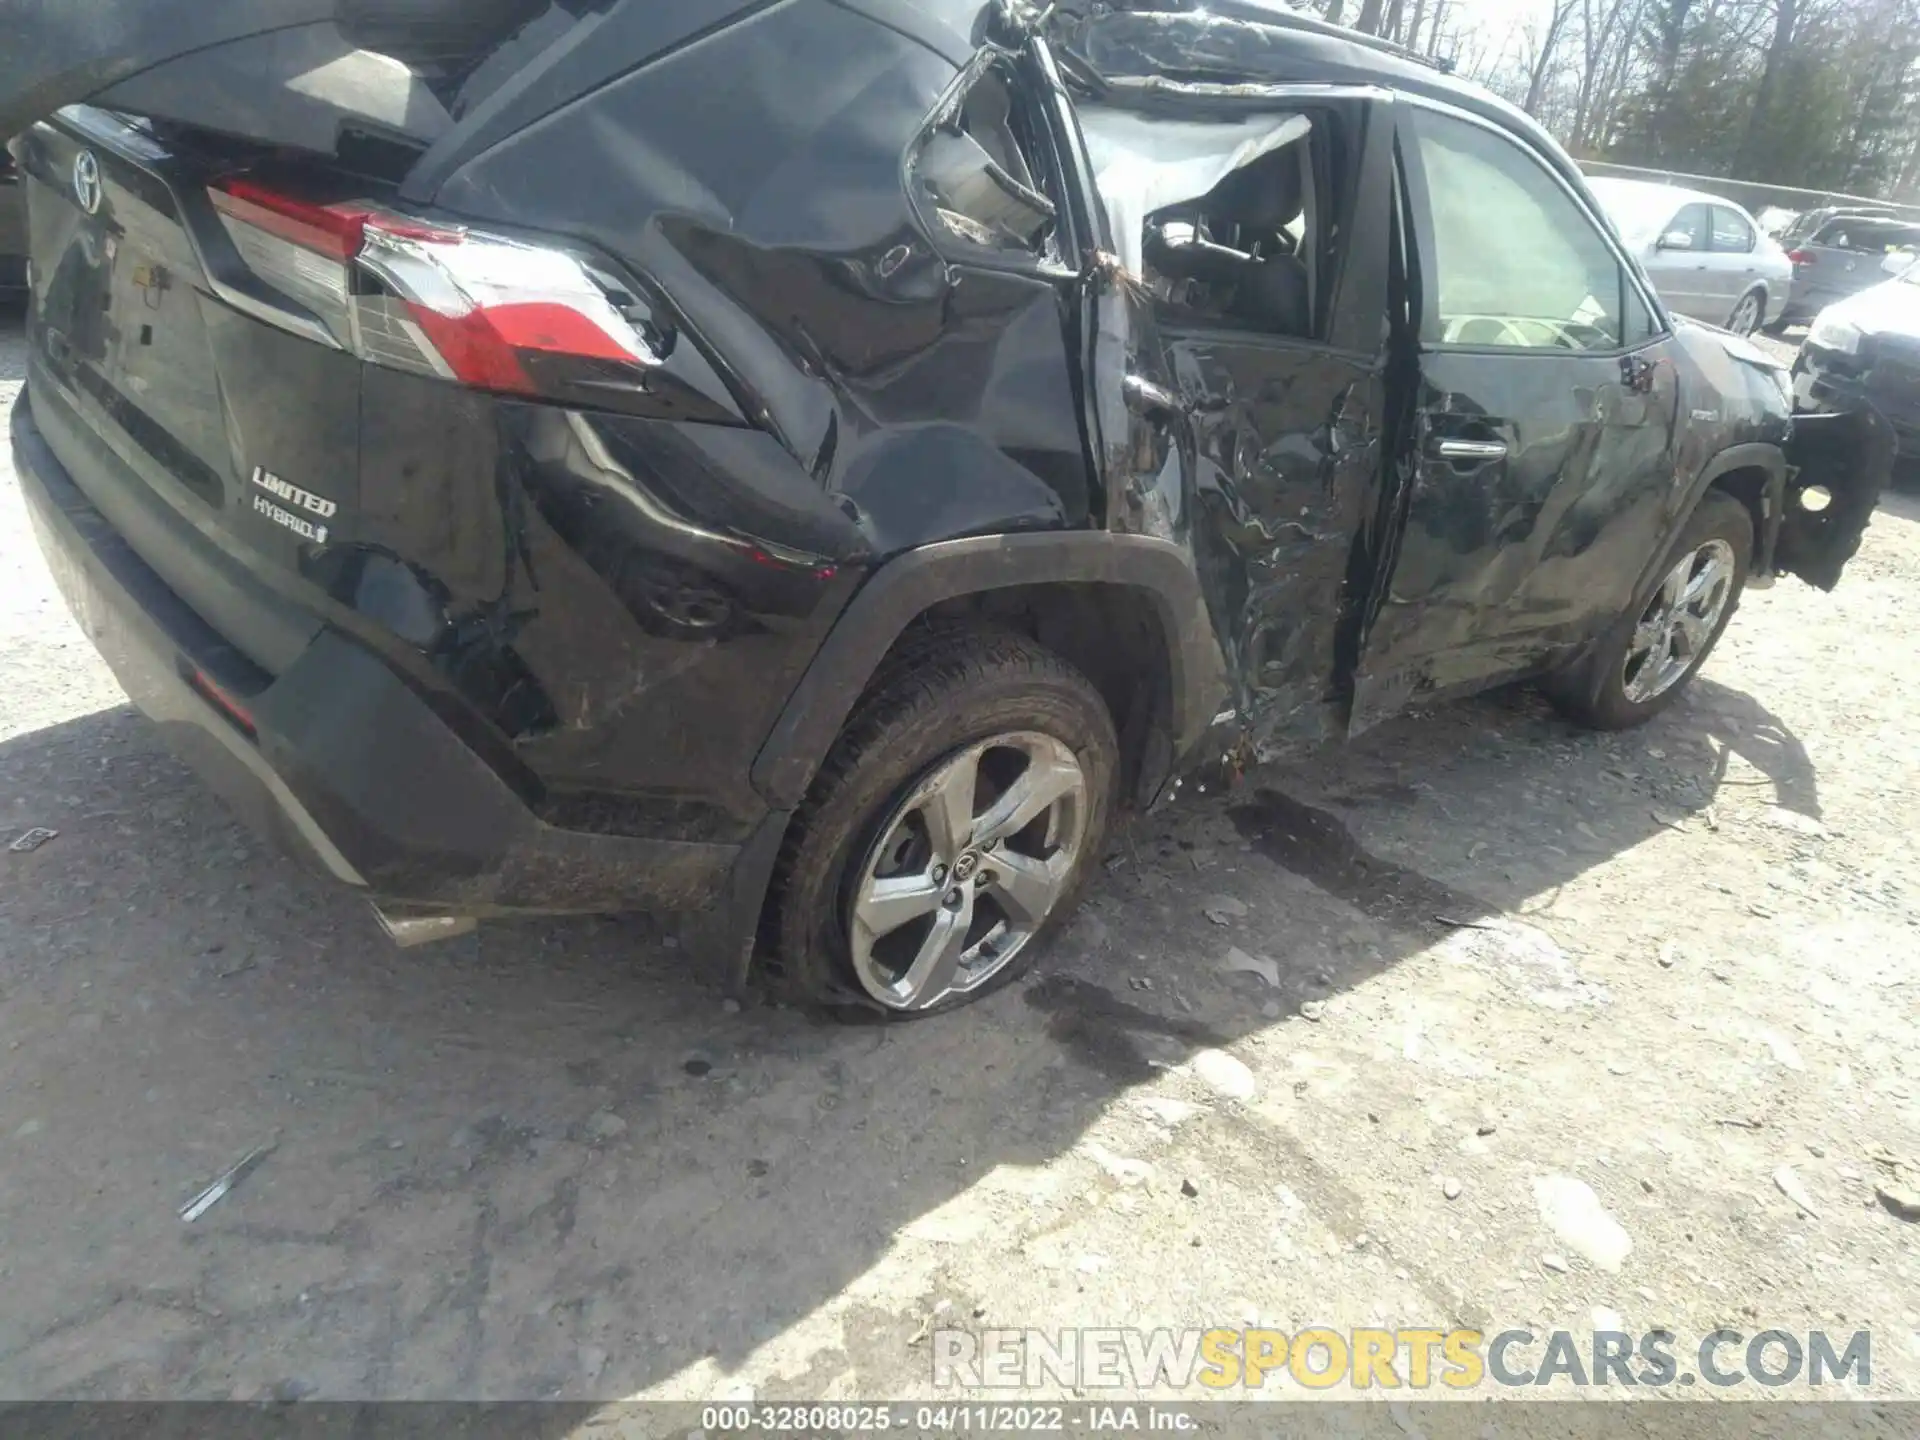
(346, 765)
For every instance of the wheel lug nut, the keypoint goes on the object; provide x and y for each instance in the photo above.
(939, 874)
(952, 902)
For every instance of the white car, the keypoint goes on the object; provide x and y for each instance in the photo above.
(1864, 350)
(1706, 256)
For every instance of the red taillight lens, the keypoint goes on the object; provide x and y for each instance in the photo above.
(203, 685)
(1800, 258)
(333, 230)
(431, 298)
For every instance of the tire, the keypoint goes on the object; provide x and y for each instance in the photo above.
(1022, 717)
(1748, 311)
(1610, 690)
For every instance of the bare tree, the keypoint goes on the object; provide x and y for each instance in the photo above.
(1607, 31)
(1785, 13)
(1540, 65)
(1369, 21)
(1412, 38)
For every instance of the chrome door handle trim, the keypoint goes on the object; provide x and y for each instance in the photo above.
(1470, 449)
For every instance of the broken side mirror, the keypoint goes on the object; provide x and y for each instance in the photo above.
(975, 198)
(974, 170)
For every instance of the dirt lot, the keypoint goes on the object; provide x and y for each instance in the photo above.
(546, 1160)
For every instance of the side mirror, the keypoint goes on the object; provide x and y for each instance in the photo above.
(1675, 240)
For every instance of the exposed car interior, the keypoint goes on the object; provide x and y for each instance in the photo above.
(1237, 255)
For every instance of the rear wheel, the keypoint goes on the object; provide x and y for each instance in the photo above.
(1748, 312)
(1655, 649)
(955, 822)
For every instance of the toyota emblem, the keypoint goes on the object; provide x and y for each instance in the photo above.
(86, 181)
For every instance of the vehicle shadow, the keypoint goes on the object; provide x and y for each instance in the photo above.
(548, 1161)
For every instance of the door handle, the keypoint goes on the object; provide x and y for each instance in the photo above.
(1472, 451)
(1147, 399)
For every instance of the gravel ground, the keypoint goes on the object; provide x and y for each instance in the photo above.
(545, 1160)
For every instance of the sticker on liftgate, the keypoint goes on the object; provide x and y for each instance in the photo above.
(294, 496)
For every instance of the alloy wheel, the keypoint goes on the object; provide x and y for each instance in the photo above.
(966, 869)
(1679, 621)
(1746, 315)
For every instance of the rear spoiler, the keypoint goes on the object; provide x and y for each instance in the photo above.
(300, 88)
(281, 72)
(59, 52)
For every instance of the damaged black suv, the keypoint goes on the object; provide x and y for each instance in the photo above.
(813, 464)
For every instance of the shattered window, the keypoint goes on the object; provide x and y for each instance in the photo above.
(1509, 260)
(975, 167)
(1215, 218)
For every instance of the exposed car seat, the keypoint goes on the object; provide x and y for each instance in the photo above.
(1259, 203)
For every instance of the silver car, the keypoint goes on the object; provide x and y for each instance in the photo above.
(1837, 253)
(1706, 256)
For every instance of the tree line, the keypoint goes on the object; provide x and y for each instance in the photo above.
(1820, 94)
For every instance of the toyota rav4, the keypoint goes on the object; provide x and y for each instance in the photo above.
(815, 464)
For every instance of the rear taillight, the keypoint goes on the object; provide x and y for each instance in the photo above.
(1800, 258)
(489, 311)
(303, 251)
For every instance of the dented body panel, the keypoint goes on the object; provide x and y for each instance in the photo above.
(645, 611)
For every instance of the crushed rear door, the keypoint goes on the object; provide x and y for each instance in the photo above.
(1841, 464)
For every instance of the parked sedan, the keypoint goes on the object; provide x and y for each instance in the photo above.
(1706, 256)
(1837, 254)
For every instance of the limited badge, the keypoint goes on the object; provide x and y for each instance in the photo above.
(285, 515)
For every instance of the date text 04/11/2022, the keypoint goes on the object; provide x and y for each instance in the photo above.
(973, 1419)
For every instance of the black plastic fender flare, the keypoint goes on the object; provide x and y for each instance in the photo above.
(902, 589)
(1753, 455)
(1761, 455)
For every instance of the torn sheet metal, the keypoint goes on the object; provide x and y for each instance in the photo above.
(1145, 163)
(1850, 456)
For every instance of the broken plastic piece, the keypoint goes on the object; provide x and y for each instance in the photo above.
(221, 1187)
(33, 839)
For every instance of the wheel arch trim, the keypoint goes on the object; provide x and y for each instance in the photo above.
(905, 587)
(1761, 455)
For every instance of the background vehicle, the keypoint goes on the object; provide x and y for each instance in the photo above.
(1840, 253)
(1864, 350)
(13, 233)
(817, 476)
(1706, 256)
